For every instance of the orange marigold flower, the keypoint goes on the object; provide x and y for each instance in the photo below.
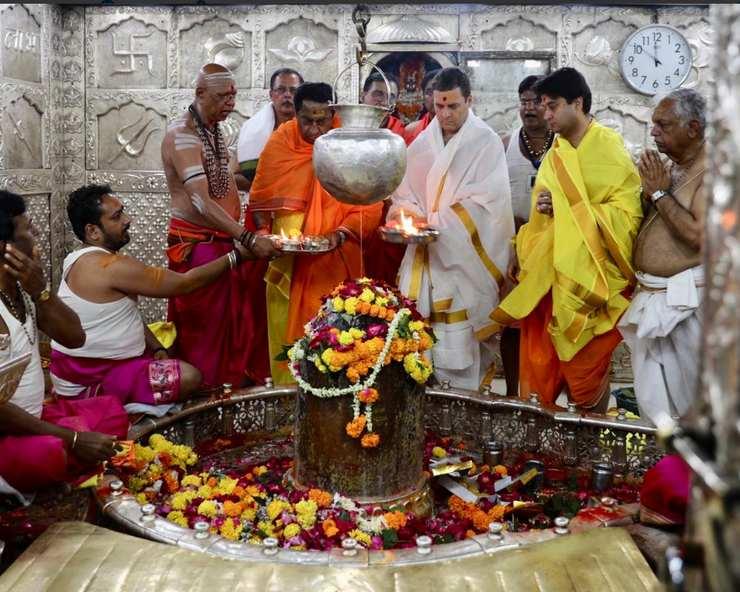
(368, 396)
(497, 513)
(501, 470)
(356, 426)
(469, 534)
(374, 308)
(322, 498)
(233, 509)
(395, 520)
(390, 314)
(370, 440)
(481, 520)
(330, 527)
(212, 482)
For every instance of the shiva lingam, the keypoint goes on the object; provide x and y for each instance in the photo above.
(407, 231)
(359, 163)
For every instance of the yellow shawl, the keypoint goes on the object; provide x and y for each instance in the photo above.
(583, 254)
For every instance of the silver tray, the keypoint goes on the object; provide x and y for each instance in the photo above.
(427, 234)
(308, 244)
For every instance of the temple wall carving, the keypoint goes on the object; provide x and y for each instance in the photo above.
(86, 93)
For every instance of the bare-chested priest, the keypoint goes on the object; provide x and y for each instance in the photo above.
(662, 325)
(213, 323)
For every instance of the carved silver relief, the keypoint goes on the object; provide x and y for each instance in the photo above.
(309, 47)
(20, 33)
(215, 40)
(130, 136)
(22, 128)
(127, 53)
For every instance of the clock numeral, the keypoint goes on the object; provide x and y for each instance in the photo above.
(667, 81)
(631, 59)
(645, 40)
(636, 49)
(676, 73)
(644, 78)
(655, 84)
(669, 38)
(682, 60)
(678, 48)
(634, 72)
(657, 36)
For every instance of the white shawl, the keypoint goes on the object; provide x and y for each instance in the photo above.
(461, 188)
(254, 134)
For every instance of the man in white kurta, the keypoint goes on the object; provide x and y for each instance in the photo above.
(457, 181)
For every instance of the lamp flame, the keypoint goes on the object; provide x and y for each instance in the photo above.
(407, 225)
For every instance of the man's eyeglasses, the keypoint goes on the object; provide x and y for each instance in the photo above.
(281, 90)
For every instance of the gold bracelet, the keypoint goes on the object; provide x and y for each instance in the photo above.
(74, 441)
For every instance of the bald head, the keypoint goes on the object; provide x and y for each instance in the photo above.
(212, 75)
(215, 93)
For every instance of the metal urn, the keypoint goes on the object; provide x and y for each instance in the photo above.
(359, 163)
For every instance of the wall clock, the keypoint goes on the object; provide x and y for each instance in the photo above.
(655, 59)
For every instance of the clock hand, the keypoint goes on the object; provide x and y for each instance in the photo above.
(655, 57)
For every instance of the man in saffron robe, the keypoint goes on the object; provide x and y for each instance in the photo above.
(382, 258)
(573, 259)
(286, 196)
(213, 323)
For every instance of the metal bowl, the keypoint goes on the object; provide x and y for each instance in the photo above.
(306, 244)
(360, 116)
(393, 234)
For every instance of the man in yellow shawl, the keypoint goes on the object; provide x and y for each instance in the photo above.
(287, 197)
(573, 259)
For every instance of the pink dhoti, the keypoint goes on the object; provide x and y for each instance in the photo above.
(135, 380)
(29, 463)
(221, 328)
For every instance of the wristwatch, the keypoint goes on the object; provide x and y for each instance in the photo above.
(44, 295)
(656, 195)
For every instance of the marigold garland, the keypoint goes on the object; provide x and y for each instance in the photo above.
(362, 326)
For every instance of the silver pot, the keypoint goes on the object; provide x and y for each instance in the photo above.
(359, 166)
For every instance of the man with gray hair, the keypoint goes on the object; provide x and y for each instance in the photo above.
(662, 326)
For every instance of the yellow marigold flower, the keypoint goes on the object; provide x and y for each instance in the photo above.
(291, 530)
(345, 338)
(249, 514)
(306, 520)
(276, 507)
(266, 527)
(254, 540)
(337, 304)
(178, 518)
(416, 325)
(361, 537)
(381, 301)
(208, 508)
(367, 295)
(231, 531)
(144, 453)
(260, 470)
(319, 365)
(357, 333)
(439, 452)
(226, 485)
(141, 498)
(158, 442)
(254, 491)
(306, 507)
(180, 500)
(350, 305)
(188, 480)
(205, 491)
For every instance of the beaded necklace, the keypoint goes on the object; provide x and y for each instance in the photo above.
(217, 157)
(20, 313)
(536, 155)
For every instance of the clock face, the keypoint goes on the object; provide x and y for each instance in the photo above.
(655, 59)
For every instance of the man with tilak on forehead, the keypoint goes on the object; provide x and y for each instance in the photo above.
(213, 323)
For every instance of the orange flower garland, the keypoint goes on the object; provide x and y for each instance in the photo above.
(370, 440)
(354, 428)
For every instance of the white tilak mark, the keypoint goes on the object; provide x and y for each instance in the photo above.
(193, 170)
(198, 202)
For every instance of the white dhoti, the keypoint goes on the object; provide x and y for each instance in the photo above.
(662, 328)
(462, 188)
